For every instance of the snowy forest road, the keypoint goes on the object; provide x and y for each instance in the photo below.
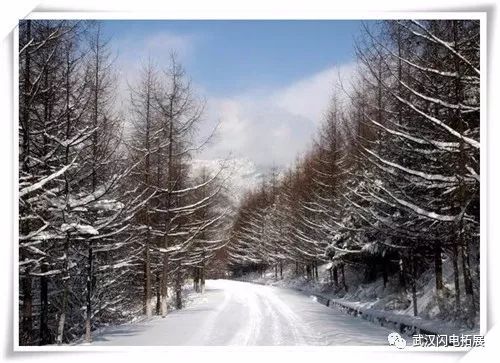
(241, 313)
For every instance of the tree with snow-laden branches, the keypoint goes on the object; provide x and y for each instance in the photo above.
(105, 213)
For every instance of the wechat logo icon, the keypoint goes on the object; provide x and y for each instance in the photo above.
(397, 340)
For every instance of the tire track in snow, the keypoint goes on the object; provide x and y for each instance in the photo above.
(240, 313)
(302, 332)
(272, 318)
(250, 329)
(210, 325)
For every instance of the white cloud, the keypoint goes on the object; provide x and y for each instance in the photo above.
(310, 96)
(160, 44)
(270, 126)
(157, 45)
(277, 127)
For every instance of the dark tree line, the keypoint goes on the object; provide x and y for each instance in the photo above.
(391, 186)
(111, 216)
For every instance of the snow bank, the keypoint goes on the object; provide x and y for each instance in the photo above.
(189, 296)
(374, 302)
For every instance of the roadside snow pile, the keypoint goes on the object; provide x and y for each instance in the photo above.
(387, 306)
(402, 323)
(135, 317)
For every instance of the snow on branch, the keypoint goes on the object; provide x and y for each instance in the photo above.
(34, 187)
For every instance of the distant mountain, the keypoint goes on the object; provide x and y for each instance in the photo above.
(241, 174)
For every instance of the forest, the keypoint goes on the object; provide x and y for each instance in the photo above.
(114, 220)
(111, 220)
(391, 184)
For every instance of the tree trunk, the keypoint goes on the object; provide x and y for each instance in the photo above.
(438, 271)
(178, 287)
(158, 293)
(88, 320)
(196, 279)
(402, 273)
(414, 284)
(469, 290)
(178, 294)
(147, 258)
(343, 276)
(44, 328)
(25, 332)
(164, 287)
(335, 277)
(65, 278)
(202, 279)
(456, 275)
(384, 272)
(27, 315)
(147, 279)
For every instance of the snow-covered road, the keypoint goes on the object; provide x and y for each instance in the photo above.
(240, 313)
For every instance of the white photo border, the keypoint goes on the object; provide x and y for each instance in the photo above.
(482, 16)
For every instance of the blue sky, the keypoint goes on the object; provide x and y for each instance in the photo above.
(231, 56)
(266, 83)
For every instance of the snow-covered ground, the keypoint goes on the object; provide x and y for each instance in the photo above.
(241, 313)
(375, 300)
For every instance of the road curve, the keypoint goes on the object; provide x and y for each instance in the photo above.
(240, 313)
